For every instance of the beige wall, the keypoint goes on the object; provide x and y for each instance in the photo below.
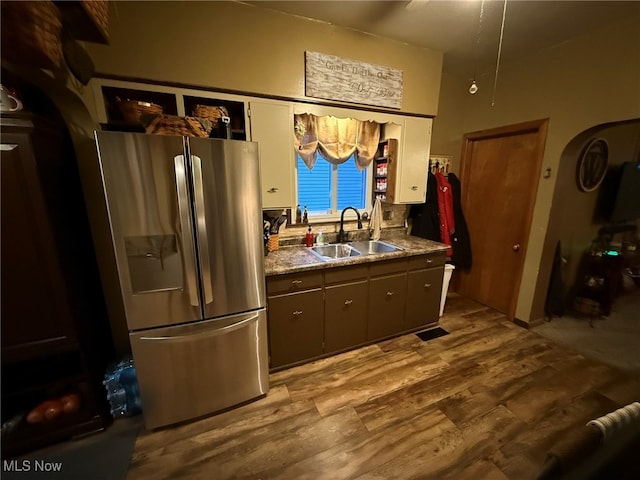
(579, 84)
(227, 45)
(582, 83)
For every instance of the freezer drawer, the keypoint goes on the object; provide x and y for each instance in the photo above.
(188, 371)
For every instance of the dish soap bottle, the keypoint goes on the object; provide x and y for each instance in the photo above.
(308, 238)
(320, 238)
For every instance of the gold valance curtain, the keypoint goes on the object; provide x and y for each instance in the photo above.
(337, 139)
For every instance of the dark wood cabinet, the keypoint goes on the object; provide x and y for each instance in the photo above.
(346, 313)
(424, 289)
(295, 304)
(55, 334)
(32, 277)
(322, 312)
(387, 296)
(423, 297)
(296, 324)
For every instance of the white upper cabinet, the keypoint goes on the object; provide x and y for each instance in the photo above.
(413, 167)
(272, 127)
(409, 167)
(270, 123)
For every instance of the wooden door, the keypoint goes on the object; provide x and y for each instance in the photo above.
(500, 172)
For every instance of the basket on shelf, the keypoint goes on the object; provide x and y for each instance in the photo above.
(213, 114)
(86, 20)
(273, 243)
(175, 125)
(132, 110)
(32, 30)
(98, 12)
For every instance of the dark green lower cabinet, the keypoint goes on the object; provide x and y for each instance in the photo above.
(424, 288)
(387, 297)
(346, 312)
(296, 326)
(321, 312)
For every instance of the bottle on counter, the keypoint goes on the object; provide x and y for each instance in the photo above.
(298, 214)
(320, 238)
(305, 215)
(308, 238)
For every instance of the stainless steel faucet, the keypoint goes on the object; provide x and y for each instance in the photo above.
(342, 235)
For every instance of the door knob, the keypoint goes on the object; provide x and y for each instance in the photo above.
(516, 247)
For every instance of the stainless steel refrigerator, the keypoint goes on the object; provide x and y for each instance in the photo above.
(186, 229)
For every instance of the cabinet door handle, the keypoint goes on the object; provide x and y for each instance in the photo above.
(414, 188)
(390, 293)
(348, 302)
(273, 190)
(429, 260)
(427, 285)
(296, 282)
(298, 312)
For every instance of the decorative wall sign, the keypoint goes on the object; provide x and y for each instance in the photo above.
(335, 78)
(592, 165)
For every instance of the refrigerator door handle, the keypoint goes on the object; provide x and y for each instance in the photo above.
(185, 229)
(201, 331)
(203, 242)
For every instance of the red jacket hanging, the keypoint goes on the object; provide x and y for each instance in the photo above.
(445, 211)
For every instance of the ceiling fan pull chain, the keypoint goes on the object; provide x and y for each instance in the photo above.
(474, 87)
(495, 81)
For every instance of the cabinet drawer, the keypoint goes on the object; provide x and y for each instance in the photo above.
(294, 282)
(427, 261)
(388, 267)
(345, 274)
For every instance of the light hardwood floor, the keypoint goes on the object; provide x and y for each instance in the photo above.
(486, 401)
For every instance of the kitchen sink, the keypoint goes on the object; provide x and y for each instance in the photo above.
(334, 251)
(374, 246)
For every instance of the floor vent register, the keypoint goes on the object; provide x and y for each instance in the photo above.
(432, 333)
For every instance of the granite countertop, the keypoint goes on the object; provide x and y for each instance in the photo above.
(298, 258)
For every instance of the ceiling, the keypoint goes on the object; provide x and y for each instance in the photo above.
(454, 26)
